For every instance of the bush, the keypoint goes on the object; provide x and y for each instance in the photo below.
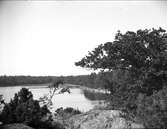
(152, 110)
(67, 112)
(24, 109)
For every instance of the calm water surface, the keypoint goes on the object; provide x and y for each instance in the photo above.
(75, 99)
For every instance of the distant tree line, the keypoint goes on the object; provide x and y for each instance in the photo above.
(98, 80)
(86, 80)
(21, 80)
(93, 80)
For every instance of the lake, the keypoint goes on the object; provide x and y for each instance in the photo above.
(76, 99)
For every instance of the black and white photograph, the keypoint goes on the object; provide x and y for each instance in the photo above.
(83, 64)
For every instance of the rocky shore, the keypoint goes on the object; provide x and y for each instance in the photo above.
(93, 119)
(102, 119)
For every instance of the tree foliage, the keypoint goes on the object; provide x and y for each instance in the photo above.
(24, 109)
(55, 86)
(142, 53)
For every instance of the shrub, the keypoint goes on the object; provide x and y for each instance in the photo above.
(24, 109)
(67, 112)
(152, 110)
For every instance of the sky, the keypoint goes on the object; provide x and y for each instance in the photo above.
(42, 38)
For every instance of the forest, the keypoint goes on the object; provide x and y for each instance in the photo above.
(23, 80)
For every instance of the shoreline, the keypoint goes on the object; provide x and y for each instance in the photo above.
(22, 85)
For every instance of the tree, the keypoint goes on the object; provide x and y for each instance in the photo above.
(142, 53)
(24, 109)
(56, 85)
(137, 62)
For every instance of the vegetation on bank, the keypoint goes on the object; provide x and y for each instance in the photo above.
(24, 80)
(35, 80)
(93, 95)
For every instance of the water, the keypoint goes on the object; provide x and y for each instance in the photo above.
(76, 99)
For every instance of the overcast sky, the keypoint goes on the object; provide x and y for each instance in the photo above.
(46, 38)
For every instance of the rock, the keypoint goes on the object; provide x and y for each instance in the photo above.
(101, 119)
(16, 126)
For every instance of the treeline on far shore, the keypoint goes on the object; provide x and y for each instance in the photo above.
(93, 80)
(24, 80)
(86, 80)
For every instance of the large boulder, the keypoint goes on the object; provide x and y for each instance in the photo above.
(102, 119)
